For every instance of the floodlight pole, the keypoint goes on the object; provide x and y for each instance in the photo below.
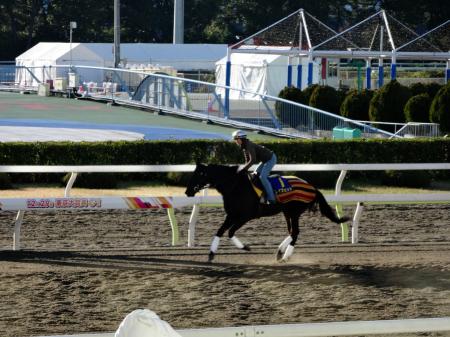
(116, 33)
(178, 21)
(72, 25)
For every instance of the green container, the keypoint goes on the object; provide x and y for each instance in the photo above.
(338, 133)
(352, 133)
(346, 133)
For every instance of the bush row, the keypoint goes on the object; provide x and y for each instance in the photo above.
(182, 152)
(391, 103)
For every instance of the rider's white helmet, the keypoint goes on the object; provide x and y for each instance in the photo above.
(239, 134)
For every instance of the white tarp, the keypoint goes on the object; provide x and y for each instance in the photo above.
(50, 54)
(182, 57)
(261, 73)
(144, 323)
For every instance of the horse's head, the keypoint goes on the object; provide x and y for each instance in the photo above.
(198, 181)
(222, 177)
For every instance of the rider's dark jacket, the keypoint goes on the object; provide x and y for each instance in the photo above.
(254, 153)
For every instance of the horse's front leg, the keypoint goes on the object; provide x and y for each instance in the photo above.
(216, 240)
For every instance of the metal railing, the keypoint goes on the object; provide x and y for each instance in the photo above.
(195, 99)
(407, 130)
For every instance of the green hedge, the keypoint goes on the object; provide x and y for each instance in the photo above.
(182, 152)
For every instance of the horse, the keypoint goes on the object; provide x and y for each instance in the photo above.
(242, 204)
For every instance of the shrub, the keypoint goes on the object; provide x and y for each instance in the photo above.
(5, 181)
(417, 89)
(388, 103)
(356, 105)
(407, 178)
(325, 98)
(308, 92)
(440, 108)
(178, 178)
(93, 180)
(432, 89)
(342, 93)
(288, 115)
(293, 94)
(417, 109)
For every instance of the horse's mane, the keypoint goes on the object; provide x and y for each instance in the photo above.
(223, 168)
(226, 179)
(222, 172)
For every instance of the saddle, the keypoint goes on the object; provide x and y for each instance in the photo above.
(285, 188)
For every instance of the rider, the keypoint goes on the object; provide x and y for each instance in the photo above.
(255, 153)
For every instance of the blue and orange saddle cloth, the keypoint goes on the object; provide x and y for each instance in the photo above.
(286, 188)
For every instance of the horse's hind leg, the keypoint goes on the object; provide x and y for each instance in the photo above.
(283, 245)
(290, 241)
(234, 239)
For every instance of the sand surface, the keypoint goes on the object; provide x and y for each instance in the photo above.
(82, 272)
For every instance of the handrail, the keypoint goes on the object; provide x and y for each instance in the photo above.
(337, 197)
(191, 167)
(353, 328)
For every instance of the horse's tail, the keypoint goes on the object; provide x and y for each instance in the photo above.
(326, 210)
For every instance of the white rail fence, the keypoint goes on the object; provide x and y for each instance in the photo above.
(351, 328)
(171, 202)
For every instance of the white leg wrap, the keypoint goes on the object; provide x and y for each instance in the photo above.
(237, 242)
(215, 244)
(283, 245)
(289, 252)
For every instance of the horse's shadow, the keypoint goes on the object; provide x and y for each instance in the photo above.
(326, 275)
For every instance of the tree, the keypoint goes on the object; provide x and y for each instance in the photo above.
(388, 102)
(356, 105)
(325, 98)
(440, 108)
(288, 114)
(417, 109)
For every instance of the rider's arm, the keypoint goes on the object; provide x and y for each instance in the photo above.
(250, 156)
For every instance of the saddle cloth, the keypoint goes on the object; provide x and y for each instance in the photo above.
(287, 188)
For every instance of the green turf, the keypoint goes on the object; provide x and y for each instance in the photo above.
(20, 106)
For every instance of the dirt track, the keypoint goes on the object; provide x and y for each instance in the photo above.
(83, 272)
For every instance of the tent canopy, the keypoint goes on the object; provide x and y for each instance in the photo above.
(261, 73)
(183, 57)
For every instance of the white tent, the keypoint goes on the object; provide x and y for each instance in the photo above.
(182, 57)
(261, 73)
(50, 54)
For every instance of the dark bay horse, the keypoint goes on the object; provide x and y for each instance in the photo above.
(242, 204)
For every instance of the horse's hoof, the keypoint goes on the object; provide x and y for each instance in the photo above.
(246, 248)
(211, 256)
(279, 255)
